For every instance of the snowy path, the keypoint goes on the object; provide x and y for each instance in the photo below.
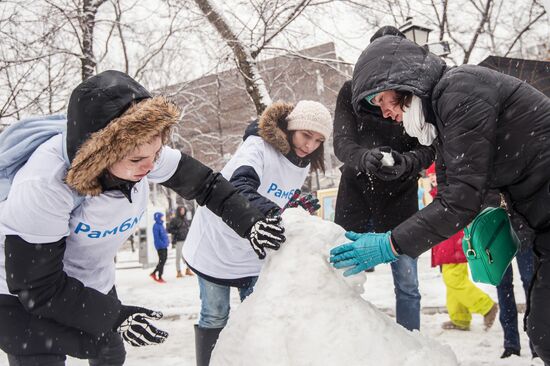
(179, 301)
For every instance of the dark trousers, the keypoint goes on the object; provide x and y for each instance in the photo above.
(111, 354)
(537, 314)
(508, 314)
(163, 254)
(31, 340)
(365, 206)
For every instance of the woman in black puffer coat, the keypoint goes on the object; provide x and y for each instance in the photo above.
(490, 131)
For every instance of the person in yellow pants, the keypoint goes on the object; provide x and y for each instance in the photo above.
(464, 298)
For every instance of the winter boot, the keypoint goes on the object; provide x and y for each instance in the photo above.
(509, 352)
(450, 325)
(489, 318)
(205, 340)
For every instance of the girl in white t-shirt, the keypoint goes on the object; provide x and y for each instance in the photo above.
(269, 168)
(73, 204)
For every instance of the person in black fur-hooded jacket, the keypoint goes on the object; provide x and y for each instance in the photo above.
(490, 131)
(269, 168)
(62, 224)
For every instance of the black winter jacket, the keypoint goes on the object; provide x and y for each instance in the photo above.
(357, 132)
(366, 202)
(493, 133)
(178, 227)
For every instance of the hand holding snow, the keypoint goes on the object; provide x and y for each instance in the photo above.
(387, 159)
(364, 252)
(303, 312)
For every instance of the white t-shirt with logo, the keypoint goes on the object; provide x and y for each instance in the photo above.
(40, 206)
(211, 246)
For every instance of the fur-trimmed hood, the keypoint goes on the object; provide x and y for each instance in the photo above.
(272, 126)
(109, 116)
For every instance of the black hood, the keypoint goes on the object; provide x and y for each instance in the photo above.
(96, 102)
(394, 62)
(385, 31)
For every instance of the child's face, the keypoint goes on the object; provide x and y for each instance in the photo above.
(304, 142)
(139, 162)
(433, 179)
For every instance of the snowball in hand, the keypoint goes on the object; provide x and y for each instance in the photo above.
(387, 159)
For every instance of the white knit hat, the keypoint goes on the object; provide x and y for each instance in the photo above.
(310, 115)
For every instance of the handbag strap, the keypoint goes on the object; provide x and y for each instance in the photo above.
(471, 250)
(503, 203)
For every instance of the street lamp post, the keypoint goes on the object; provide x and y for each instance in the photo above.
(420, 35)
(415, 32)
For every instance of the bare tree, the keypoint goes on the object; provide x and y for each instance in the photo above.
(535, 14)
(475, 28)
(66, 41)
(245, 61)
(250, 27)
(87, 20)
(484, 8)
(80, 19)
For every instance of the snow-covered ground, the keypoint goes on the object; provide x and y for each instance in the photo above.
(179, 301)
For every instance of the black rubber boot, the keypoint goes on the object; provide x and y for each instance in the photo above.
(205, 340)
(509, 352)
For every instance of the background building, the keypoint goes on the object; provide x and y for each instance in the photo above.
(217, 109)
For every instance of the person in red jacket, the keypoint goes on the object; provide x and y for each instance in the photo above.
(463, 297)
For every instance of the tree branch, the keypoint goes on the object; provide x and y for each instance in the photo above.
(525, 29)
(478, 31)
(255, 85)
(292, 16)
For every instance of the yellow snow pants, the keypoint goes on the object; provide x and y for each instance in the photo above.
(463, 297)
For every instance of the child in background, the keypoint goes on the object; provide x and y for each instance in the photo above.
(160, 237)
(463, 297)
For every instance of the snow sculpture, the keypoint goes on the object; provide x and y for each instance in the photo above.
(303, 312)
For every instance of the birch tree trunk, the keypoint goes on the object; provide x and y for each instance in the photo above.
(255, 85)
(87, 24)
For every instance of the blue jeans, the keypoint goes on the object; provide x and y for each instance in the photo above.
(508, 311)
(215, 302)
(407, 296)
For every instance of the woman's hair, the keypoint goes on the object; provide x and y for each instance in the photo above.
(316, 158)
(403, 99)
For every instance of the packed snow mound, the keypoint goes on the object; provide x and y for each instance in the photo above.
(304, 312)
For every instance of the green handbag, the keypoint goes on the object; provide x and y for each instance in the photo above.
(490, 243)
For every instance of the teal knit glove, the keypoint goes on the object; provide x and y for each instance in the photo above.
(364, 252)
